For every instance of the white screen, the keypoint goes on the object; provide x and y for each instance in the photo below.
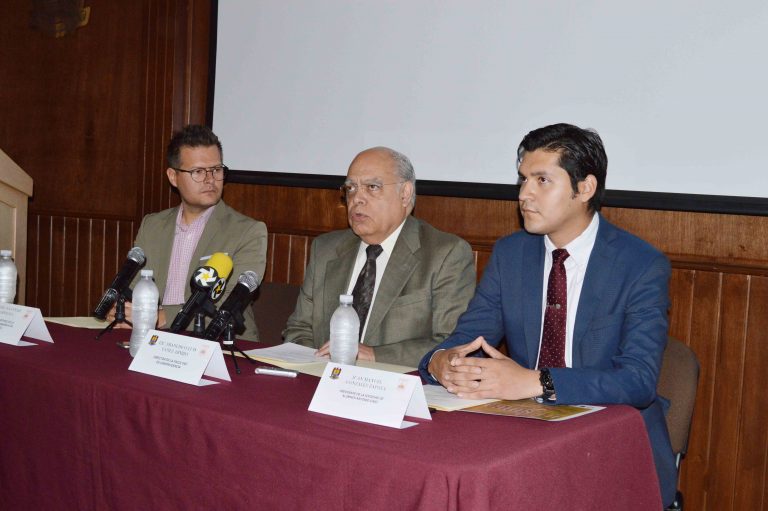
(676, 89)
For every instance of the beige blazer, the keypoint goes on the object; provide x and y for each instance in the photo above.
(427, 284)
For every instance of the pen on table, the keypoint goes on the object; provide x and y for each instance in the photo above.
(276, 371)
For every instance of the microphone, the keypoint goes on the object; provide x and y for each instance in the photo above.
(207, 281)
(120, 285)
(233, 306)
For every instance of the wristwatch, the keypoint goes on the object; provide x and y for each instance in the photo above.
(547, 386)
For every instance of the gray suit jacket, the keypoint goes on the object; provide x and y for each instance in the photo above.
(428, 282)
(242, 238)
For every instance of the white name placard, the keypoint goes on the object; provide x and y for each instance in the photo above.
(370, 395)
(19, 320)
(180, 358)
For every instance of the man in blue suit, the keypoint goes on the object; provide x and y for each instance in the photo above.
(601, 340)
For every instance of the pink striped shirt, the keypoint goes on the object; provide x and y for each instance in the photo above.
(185, 241)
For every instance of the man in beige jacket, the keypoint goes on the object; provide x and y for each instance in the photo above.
(176, 241)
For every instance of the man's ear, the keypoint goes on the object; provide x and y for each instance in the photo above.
(406, 192)
(172, 175)
(587, 188)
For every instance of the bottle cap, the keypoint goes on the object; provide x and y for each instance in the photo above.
(345, 299)
(147, 273)
(5, 253)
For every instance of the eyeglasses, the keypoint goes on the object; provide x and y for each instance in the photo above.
(372, 188)
(198, 175)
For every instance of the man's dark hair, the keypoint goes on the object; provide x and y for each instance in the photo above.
(581, 153)
(191, 135)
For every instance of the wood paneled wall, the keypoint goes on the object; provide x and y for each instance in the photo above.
(88, 116)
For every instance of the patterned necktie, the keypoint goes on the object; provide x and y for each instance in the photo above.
(362, 294)
(553, 337)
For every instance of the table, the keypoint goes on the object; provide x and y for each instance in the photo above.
(80, 431)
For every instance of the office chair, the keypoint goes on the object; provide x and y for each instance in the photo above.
(678, 380)
(273, 304)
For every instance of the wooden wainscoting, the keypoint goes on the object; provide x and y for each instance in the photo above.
(71, 261)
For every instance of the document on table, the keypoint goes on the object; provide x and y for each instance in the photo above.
(302, 359)
(530, 409)
(440, 399)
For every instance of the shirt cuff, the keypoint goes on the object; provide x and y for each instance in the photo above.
(430, 361)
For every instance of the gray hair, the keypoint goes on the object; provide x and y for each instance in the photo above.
(403, 168)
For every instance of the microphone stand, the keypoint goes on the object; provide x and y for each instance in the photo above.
(228, 343)
(119, 317)
(199, 326)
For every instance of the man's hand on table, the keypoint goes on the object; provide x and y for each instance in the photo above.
(497, 377)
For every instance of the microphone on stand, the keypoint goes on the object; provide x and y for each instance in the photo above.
(231, 311)
(207, 283)
(120, 285)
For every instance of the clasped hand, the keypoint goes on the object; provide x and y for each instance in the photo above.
(496, 377)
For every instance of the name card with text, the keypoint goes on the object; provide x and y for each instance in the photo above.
(370, 395)
(18, 320)
(180, 358)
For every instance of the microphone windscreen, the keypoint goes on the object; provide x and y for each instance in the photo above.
(222, 263)
(250, 279)
(137, 254)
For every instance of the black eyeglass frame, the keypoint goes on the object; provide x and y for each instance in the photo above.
(206, 170)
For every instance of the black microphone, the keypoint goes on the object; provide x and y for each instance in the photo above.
(233, 306)
(207, 281)
(120, 285)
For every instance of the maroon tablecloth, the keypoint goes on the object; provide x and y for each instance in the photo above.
(80, 431)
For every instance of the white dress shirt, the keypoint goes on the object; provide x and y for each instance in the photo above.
(381, 264)
(575, 268)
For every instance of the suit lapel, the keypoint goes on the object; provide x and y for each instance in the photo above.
(401, 265)
(531, 295)
(337, 273)
(596, 281)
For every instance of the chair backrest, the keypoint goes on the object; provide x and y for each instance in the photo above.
(273, 304)
(677, 382)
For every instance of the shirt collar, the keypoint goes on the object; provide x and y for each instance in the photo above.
(388, 245)
(581, 246)
(203, 218)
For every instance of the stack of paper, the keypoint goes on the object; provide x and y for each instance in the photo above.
(303, 359)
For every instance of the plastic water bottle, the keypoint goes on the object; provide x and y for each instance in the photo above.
(144, 315)
(8, 275)
(345, 332)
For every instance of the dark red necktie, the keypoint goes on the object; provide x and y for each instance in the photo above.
(362, 294)
(553, 336)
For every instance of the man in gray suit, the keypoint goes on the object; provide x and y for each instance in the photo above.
(424, 277)
(177, 241)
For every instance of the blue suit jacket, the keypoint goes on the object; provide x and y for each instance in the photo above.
(619, 334)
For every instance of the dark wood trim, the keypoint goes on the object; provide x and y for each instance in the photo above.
(730, 267)
(722, 204)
